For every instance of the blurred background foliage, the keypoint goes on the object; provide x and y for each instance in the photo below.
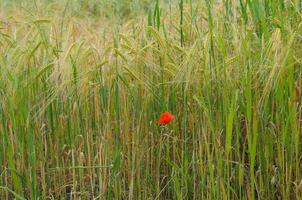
(121, 9)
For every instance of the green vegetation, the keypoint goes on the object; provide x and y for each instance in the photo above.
(83, 83)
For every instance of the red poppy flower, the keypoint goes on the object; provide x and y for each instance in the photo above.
(166, 118)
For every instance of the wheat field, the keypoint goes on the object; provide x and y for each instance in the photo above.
(83, 85)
